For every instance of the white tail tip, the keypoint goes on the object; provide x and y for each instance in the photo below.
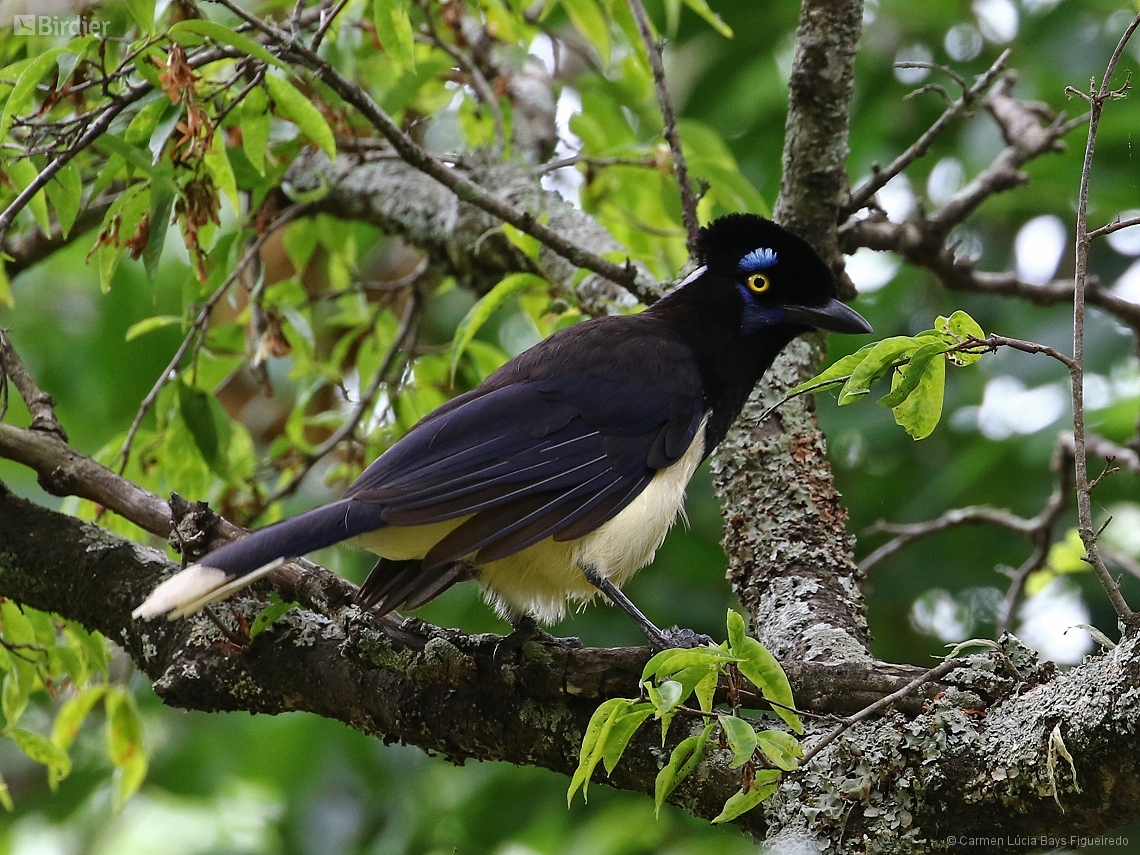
(194, 588)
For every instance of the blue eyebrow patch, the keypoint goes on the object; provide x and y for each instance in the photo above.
(758, 259)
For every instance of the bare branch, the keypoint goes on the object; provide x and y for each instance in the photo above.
(1097, 99)
(906, 533)
(1115, 226)
(672, 136)
(862, 197)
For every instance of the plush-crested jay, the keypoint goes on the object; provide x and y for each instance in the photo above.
(560, 475)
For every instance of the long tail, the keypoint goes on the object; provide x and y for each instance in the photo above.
(242, 562)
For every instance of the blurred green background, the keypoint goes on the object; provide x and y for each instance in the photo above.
(297, 784)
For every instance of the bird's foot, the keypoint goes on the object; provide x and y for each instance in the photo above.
(675, 636)
(527, 630)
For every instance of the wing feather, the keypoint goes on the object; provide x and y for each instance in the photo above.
(554, 444)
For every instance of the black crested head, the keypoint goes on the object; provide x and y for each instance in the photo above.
(780, 278)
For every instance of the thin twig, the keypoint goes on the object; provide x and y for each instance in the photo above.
(572, 160)
(934, 673)
(1096, 99)
(199, 326)
(910, 532)
(326, 21)
(1115, 226)
(672, 135)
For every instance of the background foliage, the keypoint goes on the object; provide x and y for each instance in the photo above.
(97, 328)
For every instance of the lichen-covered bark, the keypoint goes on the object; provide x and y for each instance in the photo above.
(785, 529)
(900, 783)
(464, 239)
(790, 557)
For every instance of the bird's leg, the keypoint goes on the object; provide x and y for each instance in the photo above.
(659, 639)
(527, 629)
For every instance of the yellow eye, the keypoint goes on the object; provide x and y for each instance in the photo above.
(758, 283)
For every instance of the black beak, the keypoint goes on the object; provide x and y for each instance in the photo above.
(832, 316)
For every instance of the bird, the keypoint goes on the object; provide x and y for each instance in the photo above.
(559, 476)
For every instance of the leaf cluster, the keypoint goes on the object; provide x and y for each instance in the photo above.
(672, 677)
(918, 375)
(61, 667)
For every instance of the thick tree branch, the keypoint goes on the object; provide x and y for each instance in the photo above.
(443, 691)
(399, 199)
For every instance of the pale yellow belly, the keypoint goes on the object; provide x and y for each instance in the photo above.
(542, 579)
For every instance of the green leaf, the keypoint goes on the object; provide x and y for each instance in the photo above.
(920, 412)
(90, 645)
(194, 407)
(683, 760)
(664, 699)
(528, 244)
(761, 668)
(907, 377)
(487, 305)
(300, 110)
(150, 325)
(742, 802)
(188, 32)
(588, 20)
(161, 204)
(594, 743)
(6, 797)
(269, 614)
(65, 192)
(160, 135)
(834, 374)
(710, 17)
(73, 713)
(23, 172)
(394, 28)
(124, 730)
(43, 750)
(22, 93)
(16, 692)
(960, 327)
(875, 364)
(621, 731)
(18, 629)
(254, 123)
(143, 13)
(742, 739)
(705, 690)
(782, 749)
(161, 177)
(666, 696)
(737, 631)
(1068, 554)
(128, 778)
(221, 170)
(669, 662)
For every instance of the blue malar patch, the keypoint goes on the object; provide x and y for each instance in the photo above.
(758, 259)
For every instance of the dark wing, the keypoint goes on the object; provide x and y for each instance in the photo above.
(553, 445)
